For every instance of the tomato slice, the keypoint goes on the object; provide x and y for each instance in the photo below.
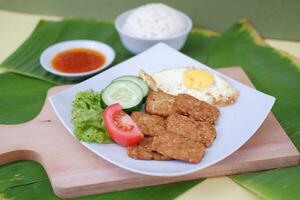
(120, 127)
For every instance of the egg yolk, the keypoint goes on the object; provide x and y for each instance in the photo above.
(197, 79)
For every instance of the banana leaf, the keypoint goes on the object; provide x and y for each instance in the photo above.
(198, 43)
(275, 73)
(271, 71)
(42, 190)
(25, 60)
(21, 97)
(21, 173)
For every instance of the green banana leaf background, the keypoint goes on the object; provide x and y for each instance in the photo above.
(271, 71)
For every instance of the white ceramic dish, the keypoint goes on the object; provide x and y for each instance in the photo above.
(237, 122)
(49, 53)
(137, 45)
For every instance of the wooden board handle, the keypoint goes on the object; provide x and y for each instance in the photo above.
(23, 141)
(15, 145)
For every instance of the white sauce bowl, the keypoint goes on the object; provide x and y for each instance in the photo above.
(138, 44)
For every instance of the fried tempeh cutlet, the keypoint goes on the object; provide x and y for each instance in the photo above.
(178, 147)
(143, 151)
(202, 132)
(199, 110)
(160, 103)
(150, 125)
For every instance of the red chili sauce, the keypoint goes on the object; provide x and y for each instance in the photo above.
(78, 60)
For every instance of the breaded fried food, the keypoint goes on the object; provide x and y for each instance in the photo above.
(143, 151)
(187, 127)
(159, 103)
(150, 125)
(178, 147)
(199, 110)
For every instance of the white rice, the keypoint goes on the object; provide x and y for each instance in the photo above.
(154, 21)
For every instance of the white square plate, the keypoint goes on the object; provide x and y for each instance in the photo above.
(237, 122)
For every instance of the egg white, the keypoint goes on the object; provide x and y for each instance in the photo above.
(219, 93)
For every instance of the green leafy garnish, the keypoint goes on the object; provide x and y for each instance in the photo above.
(87, 118)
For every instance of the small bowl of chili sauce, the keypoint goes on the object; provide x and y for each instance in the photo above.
(77, 58)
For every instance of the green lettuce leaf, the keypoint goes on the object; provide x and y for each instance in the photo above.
(87, 118)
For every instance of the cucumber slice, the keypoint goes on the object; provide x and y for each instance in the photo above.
(128, 94)
(137, 80)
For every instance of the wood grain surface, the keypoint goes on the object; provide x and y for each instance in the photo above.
(75, 171)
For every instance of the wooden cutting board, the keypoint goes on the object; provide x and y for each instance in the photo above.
(75, 171)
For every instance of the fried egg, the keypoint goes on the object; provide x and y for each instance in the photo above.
(199, 83)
